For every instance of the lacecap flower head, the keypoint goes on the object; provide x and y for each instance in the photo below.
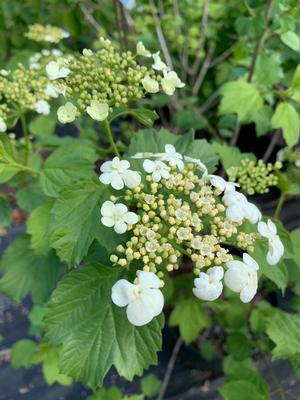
(172, 207)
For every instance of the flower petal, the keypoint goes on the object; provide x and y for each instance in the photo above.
(124, 164)
(131, 178)
(106, 167)
(235, 213)
(120, 227)
(148, 280)
(106, 177)
(149, 166)
(107, 209)
(123, 292)
(138, 312)
(131, 218)
(154, 300)
(108, 221)
(117, 182)
(121, 208)
(263, 229)
(247, 293)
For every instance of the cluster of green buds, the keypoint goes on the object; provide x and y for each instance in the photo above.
(97, 82)
(46, 33)
(29, 88)
(254, 177)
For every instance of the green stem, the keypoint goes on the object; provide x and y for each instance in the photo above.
(280, 204)
(180, 249)
(273, 375)
(26, 137)
(110, 138)
(22, 167)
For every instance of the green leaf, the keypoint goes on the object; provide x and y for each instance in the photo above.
(276, 273)
(268, 70)
(191, 318)
(286, 118)
(187, 119)
(239, 346)
(94, 333)
(5, 212)
(241, 389)
(294, 91)
(25, 272)
(291, 40)
(259, 317)
(144, 116)
(67, 165)
(76, 222)
(231, 366)
(43, 125)
(230, 156)
(253, 377)
(242, 98)
(38, 227)
(150, 385)
(22, 353)
(9, 166)
(51, 369)
(250, 26)
(30, 197)
(112, 393)
(295, 237)
(284, 330)
(263, 120)
(150, 140)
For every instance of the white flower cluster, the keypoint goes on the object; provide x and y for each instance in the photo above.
(98, 109)
(169, 81)
(173, 207)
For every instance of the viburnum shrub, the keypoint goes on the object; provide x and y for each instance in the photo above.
(112, 240)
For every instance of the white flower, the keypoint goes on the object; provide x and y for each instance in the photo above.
(209, 286)
(42, 107)
(4, 72)
(117, 216)
(197, 162)
(276, 248)
(143, 299)
(183, 233)
(3, 126)
(87, 52)
(65, 34)
(45, 53)
(170, 82)
(141, 50)
(159, 65)
(118, 174)
(98, 111)
(52, 91)
(139, 156)
(158, 169)
(57, 53)
(239, 208)
(55, 70)
(241, 277)
(222, 184)
(67, 113)
(150, 85)
(252, 213)
(172, 157)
